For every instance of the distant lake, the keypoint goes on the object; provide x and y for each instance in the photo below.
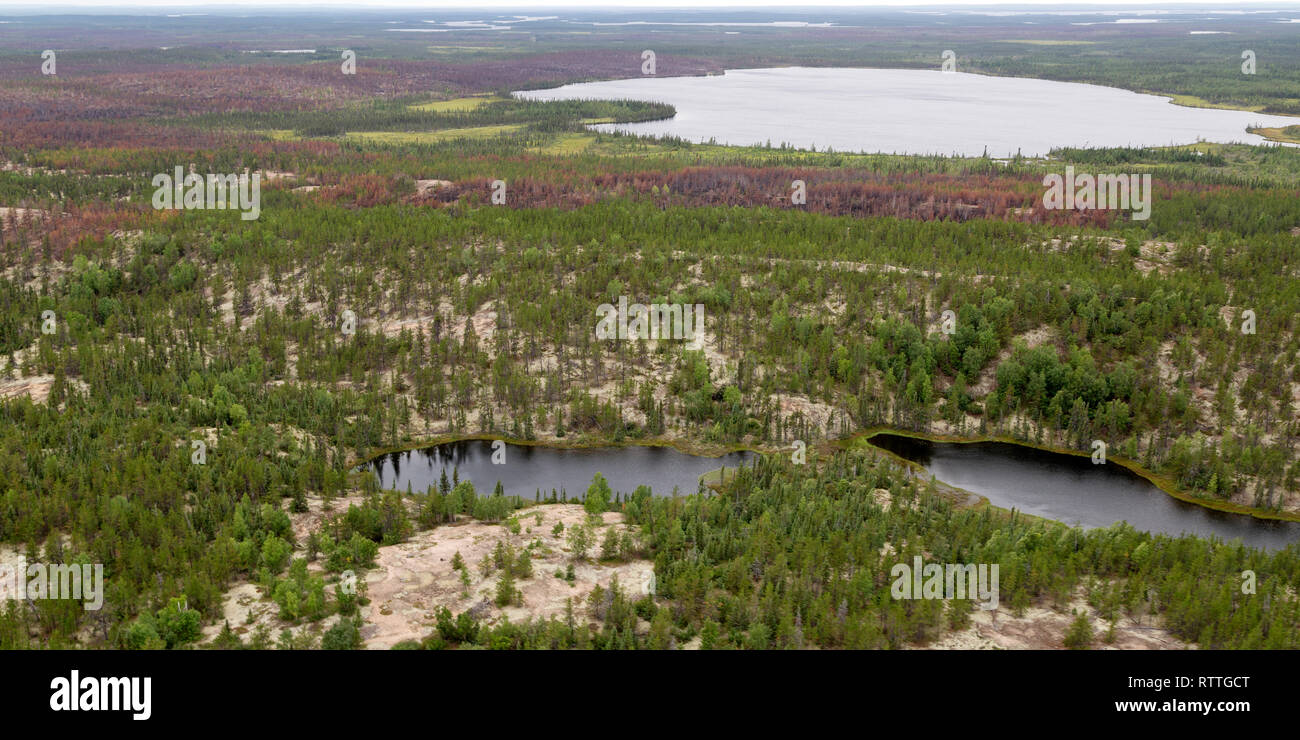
(1071, 489)
(908, 111)
(528, 469)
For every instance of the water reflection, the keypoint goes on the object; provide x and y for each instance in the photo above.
(1071, 489)
(912, 111)
(529, 471)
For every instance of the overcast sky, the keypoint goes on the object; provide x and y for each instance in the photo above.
(127, 5)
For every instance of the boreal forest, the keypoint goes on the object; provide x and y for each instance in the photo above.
(199, 401)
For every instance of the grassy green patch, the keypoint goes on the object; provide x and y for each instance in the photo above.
(567, 144)
(431, 137)
(1288, 134)
(454, 105)
(279, 134)
(1192, 101)
(1048, 42)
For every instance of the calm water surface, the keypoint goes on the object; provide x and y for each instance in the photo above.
(529, 469)
(909, 111)
(1071, 489)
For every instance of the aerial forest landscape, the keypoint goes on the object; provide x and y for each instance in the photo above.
(947, 328)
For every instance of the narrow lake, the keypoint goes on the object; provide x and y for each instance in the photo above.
(529, 469)
(1073, 490)
(908, 111)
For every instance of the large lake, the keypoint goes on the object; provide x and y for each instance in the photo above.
(528, 469)
(912, 112)
(1071, 489)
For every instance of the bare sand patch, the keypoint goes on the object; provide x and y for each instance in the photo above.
(424, 186)
(303, 523)
(36, 388)
(414, 579)
(882, 497)
(12, 560)
(814, 412)
(1043, 628)
(242, 606)
(245, 609)
(1032, 338)
(20, 215)
(705, 341)
(1154, 255)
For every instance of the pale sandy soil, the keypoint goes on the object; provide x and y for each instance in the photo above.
(414, 579)
(484, 322)
(242, 607)
(246, 610)
(1152, 255)
(1204, 383)
(33, 274)
(21, 215)
(883, 497)
(11, 559)
(815, 412)
(1042, 628)
(22, 358)
(1231, 316)
(859, 267)
(988, 379)
(424, 186)
(305, 522)
(36, 388)
(8, 166)
(648, 366)
(720, 371)
(263, 294)
(243, 604)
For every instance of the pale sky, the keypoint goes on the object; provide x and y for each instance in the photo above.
(126, 6)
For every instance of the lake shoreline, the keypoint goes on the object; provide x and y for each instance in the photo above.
(1164, 483)
(908, 122)
(684, 446)
(714, 450)
(710, 479)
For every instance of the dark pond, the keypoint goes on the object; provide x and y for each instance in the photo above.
(1073, 490)
(529, 469)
